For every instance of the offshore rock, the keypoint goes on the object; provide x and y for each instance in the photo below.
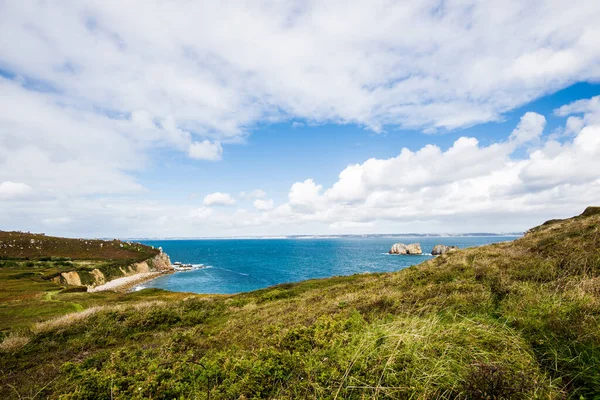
(398, 248)
(401, 248)
(414, 248)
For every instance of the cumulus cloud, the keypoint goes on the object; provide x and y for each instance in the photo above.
(305, 195)
(530, 128)
(263, 205)
(218, 199)
(410, 171)
(14, 190)
(572, 163)
(206, 150)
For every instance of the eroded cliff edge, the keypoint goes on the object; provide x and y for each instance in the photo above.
(160, 263)
(80, 263)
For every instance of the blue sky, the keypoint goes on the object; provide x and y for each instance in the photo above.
(274, 156)
(148, 119)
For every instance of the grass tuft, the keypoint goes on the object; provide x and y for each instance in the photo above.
(13, 342)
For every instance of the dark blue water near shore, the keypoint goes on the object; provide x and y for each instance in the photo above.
(241, 265)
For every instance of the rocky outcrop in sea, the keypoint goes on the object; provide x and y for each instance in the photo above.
(401, 248)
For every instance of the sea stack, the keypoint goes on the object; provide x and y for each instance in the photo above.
(440, 249)
(401, 248)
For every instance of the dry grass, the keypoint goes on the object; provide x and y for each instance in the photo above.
(13, 342)
(67, 320)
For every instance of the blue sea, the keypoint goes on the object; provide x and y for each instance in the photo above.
(242, 265)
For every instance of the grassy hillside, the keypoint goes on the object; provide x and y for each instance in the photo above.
(30, 264)
(509, 320)
(32, 246)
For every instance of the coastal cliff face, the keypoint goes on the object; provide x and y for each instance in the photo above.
(95, 277)
(80, 262)
(70, 278)
(161, 262)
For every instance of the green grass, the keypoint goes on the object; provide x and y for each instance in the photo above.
(32, 246)
(509, 320)
(30, 294)
(29, 264)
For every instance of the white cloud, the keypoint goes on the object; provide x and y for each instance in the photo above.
(411, 63)
(530, 128)
(14, 190)
(573, 163)
(92, 98)
(579, 107)
(254, 194)
(411, 171)
(305, 195)
(206, 150)
(574, 125)
(218, 199)
(263, 205)
(467, 187)
(64, 150)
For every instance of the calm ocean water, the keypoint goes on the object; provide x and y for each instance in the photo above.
(241, 265)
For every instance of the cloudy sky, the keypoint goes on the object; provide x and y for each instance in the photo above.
(187, 118)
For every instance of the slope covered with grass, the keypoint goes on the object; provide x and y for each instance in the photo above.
(31, 286)
(509, 320)
(32, 246)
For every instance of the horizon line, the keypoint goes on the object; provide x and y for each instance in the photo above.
(332, 236)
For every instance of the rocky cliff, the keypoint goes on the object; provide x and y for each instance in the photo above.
(103, 274)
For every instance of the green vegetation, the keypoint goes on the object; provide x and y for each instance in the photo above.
(30, 267)
(31, 296)
(32, 246)
(510, 320)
